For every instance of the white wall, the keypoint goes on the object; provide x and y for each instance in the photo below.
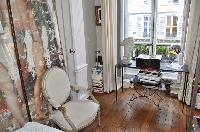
(90, 35)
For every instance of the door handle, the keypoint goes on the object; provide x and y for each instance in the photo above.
(71, 51)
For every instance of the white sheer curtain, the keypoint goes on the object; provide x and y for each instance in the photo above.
(109, 44)
(192, 44)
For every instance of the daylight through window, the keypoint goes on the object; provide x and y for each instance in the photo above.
(139, 19)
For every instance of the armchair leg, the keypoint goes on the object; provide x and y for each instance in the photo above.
(99, 118)
(49, 123)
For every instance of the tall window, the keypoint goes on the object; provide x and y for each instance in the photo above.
(167, 17)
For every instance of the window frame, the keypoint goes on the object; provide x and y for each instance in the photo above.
(153, 39)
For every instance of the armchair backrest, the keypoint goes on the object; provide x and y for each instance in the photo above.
(56, 86)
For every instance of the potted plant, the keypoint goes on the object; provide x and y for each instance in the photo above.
(172, 55)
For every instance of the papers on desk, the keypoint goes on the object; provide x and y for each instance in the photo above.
(174, 66)
(169, 75)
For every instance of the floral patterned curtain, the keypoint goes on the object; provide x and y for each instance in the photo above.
(39, 48)
(192, 45)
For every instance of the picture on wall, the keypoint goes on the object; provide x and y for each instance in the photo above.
(98, 15)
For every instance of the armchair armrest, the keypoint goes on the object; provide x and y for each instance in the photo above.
(78, 88)
(63, 110)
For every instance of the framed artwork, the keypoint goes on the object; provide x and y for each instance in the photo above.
(98, 15)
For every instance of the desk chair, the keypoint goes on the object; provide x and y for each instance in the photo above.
(149, 79)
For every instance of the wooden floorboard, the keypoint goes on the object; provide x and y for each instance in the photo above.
(131, 114)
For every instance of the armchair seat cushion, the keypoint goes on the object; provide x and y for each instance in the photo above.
(81, 113)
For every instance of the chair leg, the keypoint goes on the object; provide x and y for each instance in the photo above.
(99, 118)
(49, 123)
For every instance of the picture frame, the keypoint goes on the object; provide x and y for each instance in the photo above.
(98, 15)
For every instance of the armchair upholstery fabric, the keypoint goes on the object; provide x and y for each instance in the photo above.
(81, 113)
(72, 115)
(56, 86)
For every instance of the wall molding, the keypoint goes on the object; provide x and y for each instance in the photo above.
(81, 67)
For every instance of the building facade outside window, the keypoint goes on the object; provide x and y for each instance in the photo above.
(168, 23)
(175, 1)
(147, 27)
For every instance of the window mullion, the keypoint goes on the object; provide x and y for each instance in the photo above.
(126, 16)
(171, 26)
(153, 29)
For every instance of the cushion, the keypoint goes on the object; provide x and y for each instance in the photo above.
(37, 127)
(56, 86)
(81, 113)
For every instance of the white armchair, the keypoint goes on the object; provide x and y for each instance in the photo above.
(69, 115)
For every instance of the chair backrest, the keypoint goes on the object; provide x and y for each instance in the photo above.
(56, 86)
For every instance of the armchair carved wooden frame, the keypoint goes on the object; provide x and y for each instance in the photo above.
(69, 115)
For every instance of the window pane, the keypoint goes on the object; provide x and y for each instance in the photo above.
(175, 20)
(169, 22)
(168, 32)
(145, 24)
(138, 6)
(138, 24)
(174, 31)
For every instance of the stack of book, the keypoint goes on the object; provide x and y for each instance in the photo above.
(97, 79)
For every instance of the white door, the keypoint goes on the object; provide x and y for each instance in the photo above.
(63, 15)
(71, 25)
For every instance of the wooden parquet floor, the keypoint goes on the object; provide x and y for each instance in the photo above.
(131, 114)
